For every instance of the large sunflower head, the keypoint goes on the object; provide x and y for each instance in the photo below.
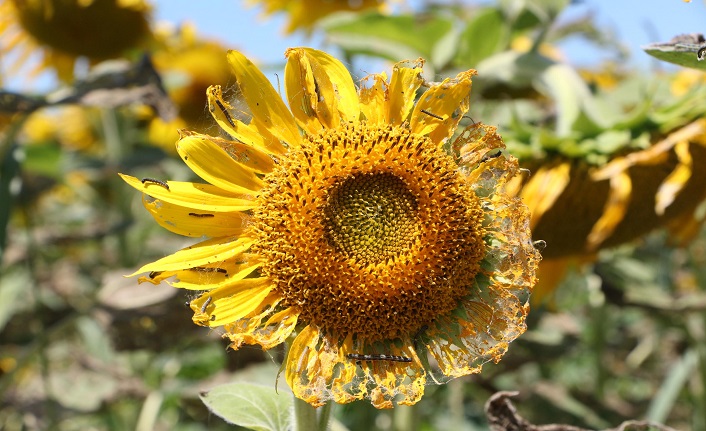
(342, 226)
(63, 30)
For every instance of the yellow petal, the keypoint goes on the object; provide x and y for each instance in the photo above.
(345, 387)
(202, 197)
(334, 84)
(262, 99)
(201, 254)
(406, 80)
(477, 332)
(550, 273)
(231, 302)
(251, 157)
(241, 330)
(372, 99)
(614, 211)
(544, 188)
(213, 164)
(441, 107)
(274, 331)
(476, 142)
(653, 155)
(676, 180)
(394, 382)
(189, 222)
(220, 111)
(213, 276)
(684, 228)
(302, 369)
(301, 90)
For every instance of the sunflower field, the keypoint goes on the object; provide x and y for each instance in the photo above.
(424, 215)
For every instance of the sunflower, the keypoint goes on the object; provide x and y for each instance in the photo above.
(342, 227)
(64, 30)
(304, 14)
(188, 65)
(610, 186)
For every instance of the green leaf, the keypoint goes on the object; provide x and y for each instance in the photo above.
(516, 12)
(484, 35)
(515, 69)
(611, 141)
(390, 37)
(577, 110)
(681, 50)
(445, 50)
(527, 14)
(251, 406)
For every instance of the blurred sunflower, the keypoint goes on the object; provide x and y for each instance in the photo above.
(344, 228)
(74, 127)
(188, 65)
(613, 182)
(304, 14)
(64, 30)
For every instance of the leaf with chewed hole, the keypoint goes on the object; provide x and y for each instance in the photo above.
(251, 406)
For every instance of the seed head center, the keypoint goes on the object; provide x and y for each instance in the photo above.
(371, 217)
(369, 230)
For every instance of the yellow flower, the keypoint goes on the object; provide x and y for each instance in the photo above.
(617, 202)
(685, 81)
(63, 30)
(40, 127)
(341, 226)
(189, 64)
(606, 77)
(305, 13)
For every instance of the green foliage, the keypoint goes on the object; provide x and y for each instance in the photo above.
(484, 35)
(251, 406)
(391, 38)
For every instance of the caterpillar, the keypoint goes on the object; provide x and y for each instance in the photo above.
(201, 215)
(392, 358)
(204, 269)
(153, 181)
(431, 114)
(205, 305)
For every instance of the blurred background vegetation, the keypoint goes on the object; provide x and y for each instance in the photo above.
(617, 327)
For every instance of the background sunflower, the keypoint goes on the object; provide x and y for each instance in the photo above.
(62, 31)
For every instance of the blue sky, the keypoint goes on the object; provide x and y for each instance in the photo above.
(635, 22)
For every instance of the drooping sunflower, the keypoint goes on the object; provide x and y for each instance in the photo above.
(342, 226)
(64, 30)
(612, 183)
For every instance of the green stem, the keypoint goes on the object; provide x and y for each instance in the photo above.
(304, 416)
(403, 418)
(325, 416)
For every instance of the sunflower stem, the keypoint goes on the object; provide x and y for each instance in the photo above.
(403, 418)
(325, 416)
(304, 416)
